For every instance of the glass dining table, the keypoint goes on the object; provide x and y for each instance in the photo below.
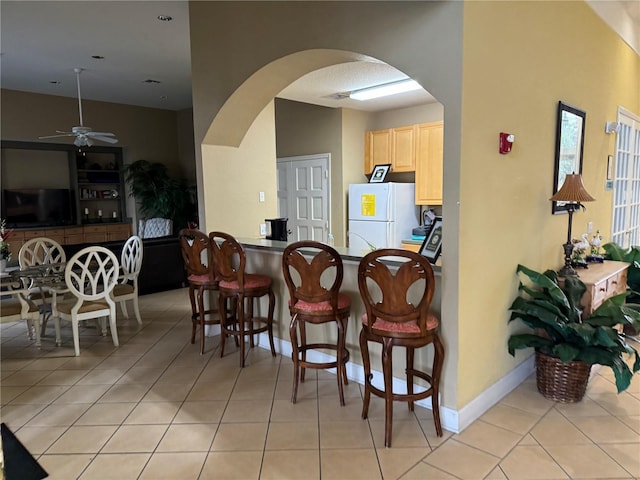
(45, 281)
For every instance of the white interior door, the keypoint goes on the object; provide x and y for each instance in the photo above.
(303, 196)
(625, 229)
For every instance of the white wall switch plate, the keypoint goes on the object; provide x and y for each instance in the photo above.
(263, 229)
(261, 197)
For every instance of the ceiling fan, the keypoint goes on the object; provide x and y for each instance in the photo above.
(84, 135)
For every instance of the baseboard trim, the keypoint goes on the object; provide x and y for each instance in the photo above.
(452, 420)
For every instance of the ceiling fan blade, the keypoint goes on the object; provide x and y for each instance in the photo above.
(104, 134)
(103, 139)
(61, 135)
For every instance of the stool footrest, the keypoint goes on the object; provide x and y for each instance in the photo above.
(405, 397)
(320, 365)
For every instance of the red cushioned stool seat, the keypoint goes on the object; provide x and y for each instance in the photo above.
(314, 298)
(240, 290)
(396, 287)
(201, 278)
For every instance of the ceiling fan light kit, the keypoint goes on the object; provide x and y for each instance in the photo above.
(84, 135)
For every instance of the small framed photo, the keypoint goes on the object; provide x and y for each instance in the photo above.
(432, 245)
(379, 173)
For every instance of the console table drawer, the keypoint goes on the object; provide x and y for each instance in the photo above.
(597, 295)
(618, 284)
(603, 280)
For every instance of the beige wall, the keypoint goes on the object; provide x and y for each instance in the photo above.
(496, 207)
(233, 80)
(354, 124)
(233, 178)
(431, 112)
(556, 51)
(304, 129)
(144, 133)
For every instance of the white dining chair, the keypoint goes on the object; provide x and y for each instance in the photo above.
(41, 251)
(15, 306)
(90, 275)
(127, 286)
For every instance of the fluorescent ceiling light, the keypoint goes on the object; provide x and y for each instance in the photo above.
(385, 90)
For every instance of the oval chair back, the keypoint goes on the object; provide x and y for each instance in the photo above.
(315, 298)
(238, 293)
(90, 276)
(127, 286)
(41, 251)
(199, 264)
(397, 287)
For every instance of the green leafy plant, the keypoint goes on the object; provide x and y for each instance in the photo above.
(631, 256)
(158, 194)
(554, 312)
(5, 250)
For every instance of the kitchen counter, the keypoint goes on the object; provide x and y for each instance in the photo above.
(347, 254)
(265, 257)
(411, 241)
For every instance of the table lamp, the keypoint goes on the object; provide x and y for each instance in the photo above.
(572, 192)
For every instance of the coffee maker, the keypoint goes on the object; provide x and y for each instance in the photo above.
(276, 229)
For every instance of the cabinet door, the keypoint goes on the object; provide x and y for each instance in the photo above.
(73, 235)
(95, 234)
(403, 152)
(118, 232)
(377, 149)
(16, 240)
(429, 163)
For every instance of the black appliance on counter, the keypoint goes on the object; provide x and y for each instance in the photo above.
(276, 229)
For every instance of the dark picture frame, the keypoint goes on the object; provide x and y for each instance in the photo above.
(570, 129)
(379, 173)
(432, 244)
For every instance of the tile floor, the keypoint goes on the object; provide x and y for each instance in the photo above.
(154, 408)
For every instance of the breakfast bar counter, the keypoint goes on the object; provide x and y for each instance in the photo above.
(265, 257)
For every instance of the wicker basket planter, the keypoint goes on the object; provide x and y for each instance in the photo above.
(559, 381)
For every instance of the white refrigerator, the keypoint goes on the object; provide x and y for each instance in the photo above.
(381, 215)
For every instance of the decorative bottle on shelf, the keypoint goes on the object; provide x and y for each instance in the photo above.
(100, 215)
(86, 215)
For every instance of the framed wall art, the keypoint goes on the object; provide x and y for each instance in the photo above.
(432, 245)
(570, 128)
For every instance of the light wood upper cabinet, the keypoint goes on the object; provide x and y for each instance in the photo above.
(403, 151)
(377, 149)
(429, 163)
(395, 146)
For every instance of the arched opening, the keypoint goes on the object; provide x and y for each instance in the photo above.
(281, 80)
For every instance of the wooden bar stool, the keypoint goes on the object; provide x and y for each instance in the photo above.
(392, 320)
(201, 277)
(242, 289)
(311, 302)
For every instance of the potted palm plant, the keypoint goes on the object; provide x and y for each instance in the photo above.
(566, 344)
(160, 195)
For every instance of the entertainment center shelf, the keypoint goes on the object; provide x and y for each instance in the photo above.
(93, 234)
(70, 194)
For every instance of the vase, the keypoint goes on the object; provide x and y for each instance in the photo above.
(560, 381)
(3, 265)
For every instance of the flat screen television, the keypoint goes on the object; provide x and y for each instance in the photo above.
(38, 207)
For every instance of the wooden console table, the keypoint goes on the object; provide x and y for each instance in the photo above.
(603, 280)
